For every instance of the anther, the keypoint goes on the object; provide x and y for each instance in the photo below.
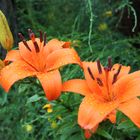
(90, 73)
(100, 83)
(116, 74)
(32, 37)
(36, 46)
(45, 39)
(41, 36)
(109, 63)
(24, 41)
(99, 67)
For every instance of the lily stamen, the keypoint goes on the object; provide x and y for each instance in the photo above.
(109, 63)
(90, 73)
(32, 37)
(100, 83)
(45, 39)
(116, 74)
(99, 67)
(41, 36)
(24, 41)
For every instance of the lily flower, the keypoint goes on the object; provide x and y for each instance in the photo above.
(39, 58)
(106, 90)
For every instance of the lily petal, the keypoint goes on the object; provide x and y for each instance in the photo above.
(55, 44)
(14, 72)
(77, 86)
(131, 109)
(62, 57)
(92, 83)
(13, 55)
(130, 85)
(124, 70)
(35, 59)
(92, 112)
(51, 83)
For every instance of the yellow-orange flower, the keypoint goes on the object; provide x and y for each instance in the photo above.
(106, 90)
(39, 58)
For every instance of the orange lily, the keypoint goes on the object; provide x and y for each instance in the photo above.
(106, 90)
(38, 58)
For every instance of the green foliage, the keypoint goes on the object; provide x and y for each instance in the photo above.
(91, 26)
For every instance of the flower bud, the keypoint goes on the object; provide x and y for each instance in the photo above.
(6, 38)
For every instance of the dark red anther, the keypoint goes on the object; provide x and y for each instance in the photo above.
(106, 69)
(41, 36)
(100, 83)
(45, 39)
(32, 37)
(30, 31)
(90, 73)
(116, 74)
(109, 63)
(36, 46)
(99, 67)
(24, 41)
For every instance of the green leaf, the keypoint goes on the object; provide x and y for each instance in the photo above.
(33, 99)
(104, 133)
(125, 125)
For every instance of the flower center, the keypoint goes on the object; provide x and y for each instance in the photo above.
(104, 79)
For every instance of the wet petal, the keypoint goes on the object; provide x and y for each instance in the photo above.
(62, 57)
(77, 86)
(51, 83)
(92, 112)
(14, 72)
(128, 86)
(131, 109)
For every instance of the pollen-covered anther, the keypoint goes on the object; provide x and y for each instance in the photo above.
(24, 41)
(100, 83)
(90, 73)
(99, 67)
(116, 74)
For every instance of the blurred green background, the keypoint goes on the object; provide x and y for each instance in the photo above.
(97, 29)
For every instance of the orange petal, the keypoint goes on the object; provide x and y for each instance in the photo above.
(62, 57)
(51, 83)
(94, 87)
(92, 112)
(131, 109)
(13, 55)
(77, 86)
(112, 116)
(130, 85)
(14, 72)
(124, 70)
(55, 44)
(87, 134)
(37, 60)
